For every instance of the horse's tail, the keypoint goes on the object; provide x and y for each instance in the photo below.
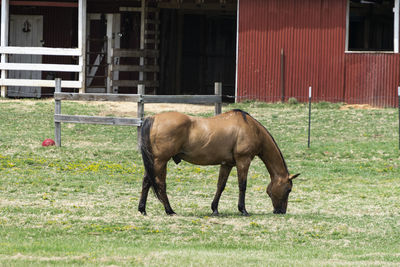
(147, 154)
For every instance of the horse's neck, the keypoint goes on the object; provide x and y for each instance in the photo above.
(272, 157)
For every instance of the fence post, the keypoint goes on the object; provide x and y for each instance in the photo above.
(309, 116)
(398, 94)
(282, 75)
(57, 111)
(218, 92)
(140, 110)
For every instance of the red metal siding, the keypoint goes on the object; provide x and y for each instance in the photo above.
(312, 34)
(372, 79)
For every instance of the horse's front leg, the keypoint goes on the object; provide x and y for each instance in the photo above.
(223, 177)
(242, 166)
(161, 174)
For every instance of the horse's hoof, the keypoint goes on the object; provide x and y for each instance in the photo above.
(245, 213)
(215, 214)
(171, 213)
(143, 213)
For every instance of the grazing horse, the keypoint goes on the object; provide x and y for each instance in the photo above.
(230, 139)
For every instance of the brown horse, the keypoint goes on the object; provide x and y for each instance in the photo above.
(231, 139)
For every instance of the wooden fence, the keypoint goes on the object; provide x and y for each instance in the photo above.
(141, 98)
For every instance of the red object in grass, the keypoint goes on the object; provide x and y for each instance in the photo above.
(48, 142)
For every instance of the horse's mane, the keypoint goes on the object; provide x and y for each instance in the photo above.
(244, 114)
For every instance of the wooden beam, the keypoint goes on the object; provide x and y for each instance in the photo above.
(133, 83)
(97, 120)
(142, 36)
(97, 97)
(133, 68)
(110, 28)
(82, 43)
(39, 83)
(135, 53)
(57, 111)
(43, 3)
(182, 99)
(40, 67)
(116, 45)
(19, 50)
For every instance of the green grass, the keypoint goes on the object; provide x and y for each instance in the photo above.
(77, 205)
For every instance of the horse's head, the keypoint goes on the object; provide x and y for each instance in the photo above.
(278, 190)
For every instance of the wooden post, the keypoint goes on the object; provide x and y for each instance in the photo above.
(142, 37)
(110, 26)
(140, 110)
(82, 43)
(57, 111)
(218, 92)
(398, 94)
(4, 40)
(116, 44)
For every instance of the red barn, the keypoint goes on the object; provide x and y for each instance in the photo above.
(267, 50)
(346, 50)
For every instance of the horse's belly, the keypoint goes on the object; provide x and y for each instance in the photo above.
(211, 158)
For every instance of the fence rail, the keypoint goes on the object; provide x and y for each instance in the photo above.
(97, 97)
(97, 120)
(139, 98)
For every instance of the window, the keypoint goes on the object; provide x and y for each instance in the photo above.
(371, 25)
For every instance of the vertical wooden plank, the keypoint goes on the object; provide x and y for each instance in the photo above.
(218, 92)
(110, 26)
(116, 44)
(57, 111)
(142, 37)
(4, 39)
(140, 111)
(82, 43)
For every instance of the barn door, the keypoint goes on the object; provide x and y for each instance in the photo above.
(25, 31)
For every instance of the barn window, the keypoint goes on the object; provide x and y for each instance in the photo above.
(371, 25)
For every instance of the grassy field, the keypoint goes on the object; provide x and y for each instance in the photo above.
(77, 205)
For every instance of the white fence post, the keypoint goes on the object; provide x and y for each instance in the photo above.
(57, 111)
(4, 41)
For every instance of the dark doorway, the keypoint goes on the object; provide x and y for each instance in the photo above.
(197, 49)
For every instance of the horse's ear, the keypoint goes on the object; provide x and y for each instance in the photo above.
(291, 177)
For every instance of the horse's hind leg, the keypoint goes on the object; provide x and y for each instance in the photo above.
(223, 177)
(143, 196)
(161, 174)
